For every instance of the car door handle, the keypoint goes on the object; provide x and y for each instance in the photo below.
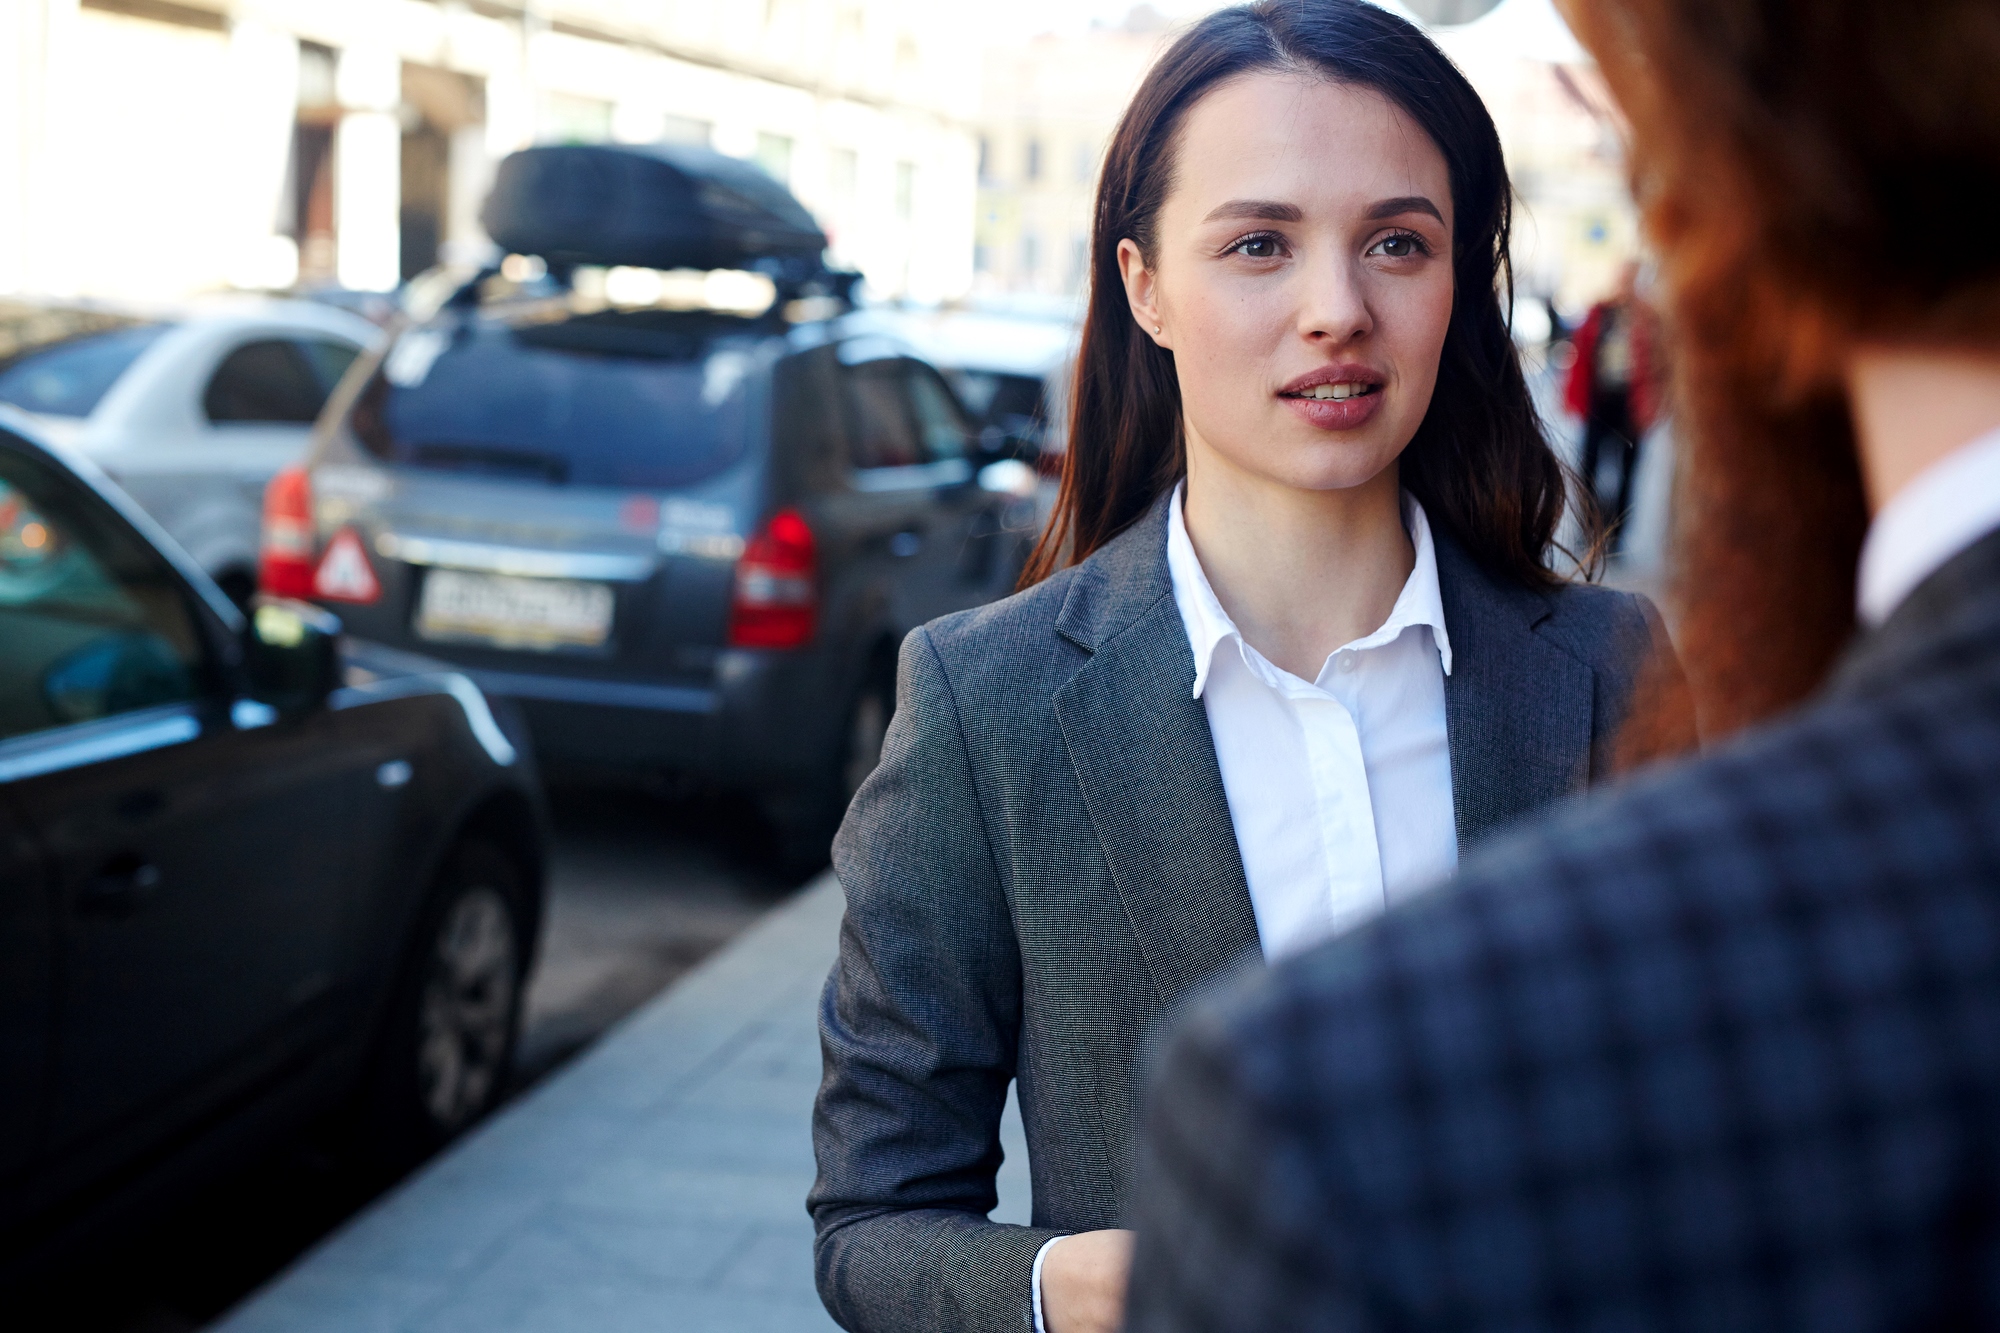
(120, 887)
(906, 543)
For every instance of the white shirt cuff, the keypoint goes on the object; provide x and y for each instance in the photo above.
(1035, 1280)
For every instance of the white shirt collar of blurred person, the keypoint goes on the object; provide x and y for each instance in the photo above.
(1339, 788)
(1949, 506)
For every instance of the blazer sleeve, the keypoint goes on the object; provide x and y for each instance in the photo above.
(919, 1027)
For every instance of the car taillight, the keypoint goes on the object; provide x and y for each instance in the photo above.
(290, 546)
(777, 586)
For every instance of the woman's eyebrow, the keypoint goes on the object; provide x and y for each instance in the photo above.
(1261, 210)
(1409, 203)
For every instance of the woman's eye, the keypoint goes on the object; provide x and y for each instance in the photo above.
(1258, 247)
(1403, 245)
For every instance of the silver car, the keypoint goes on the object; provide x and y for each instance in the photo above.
(192, 414)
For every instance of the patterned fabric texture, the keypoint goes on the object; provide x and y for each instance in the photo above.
(1717, 1051)
(1044, 863)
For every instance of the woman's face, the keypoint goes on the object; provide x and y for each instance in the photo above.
(1303, 278)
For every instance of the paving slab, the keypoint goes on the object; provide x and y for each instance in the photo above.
(656, 1182)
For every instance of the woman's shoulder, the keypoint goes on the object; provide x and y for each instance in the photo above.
(1008, 636)
(1603, 626)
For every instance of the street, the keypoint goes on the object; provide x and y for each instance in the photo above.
(642, 888)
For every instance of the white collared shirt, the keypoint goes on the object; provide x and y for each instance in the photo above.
(1339, 787)
(1950, 505)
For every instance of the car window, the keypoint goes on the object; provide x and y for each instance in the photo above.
(939, 421)
(93, 621)
(642, 399)
(69, 378)
(884, 428)
(329, 359)
(269, 380)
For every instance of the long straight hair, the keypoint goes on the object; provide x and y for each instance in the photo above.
(1479, 463)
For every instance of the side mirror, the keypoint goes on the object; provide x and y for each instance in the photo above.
(1009, 476)
(292, 654)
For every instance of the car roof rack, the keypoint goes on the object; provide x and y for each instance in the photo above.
(658, 206)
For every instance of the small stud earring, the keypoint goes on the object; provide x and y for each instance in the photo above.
(1156, 329)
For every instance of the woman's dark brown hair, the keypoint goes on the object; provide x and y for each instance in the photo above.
(1812, 172)
(1479, 464)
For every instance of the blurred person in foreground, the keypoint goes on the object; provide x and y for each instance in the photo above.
(1613, 389)
(1722, 1050)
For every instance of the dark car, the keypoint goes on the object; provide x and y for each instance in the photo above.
(250, 882)
(686, 540)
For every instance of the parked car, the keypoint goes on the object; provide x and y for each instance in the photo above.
(251, 880)
(1008, 359)
(686, 541)
(192, 414)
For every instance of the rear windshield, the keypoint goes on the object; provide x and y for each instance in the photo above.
(612, 399)
(68, 378)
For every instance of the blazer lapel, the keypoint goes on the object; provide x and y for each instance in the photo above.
(1145, 762)
(1517, 707)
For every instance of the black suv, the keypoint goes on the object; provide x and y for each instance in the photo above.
(685, 540)
(250, 882)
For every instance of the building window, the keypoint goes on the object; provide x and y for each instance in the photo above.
(1086, 163)
(843, 172)
(906, 190)
(774, 154)
(985, 159)
(982, 258)
(566, 119)
(685, 129)
(1034, 163)
(1031, 254)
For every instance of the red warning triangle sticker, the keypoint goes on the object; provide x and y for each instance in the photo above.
(344, 574)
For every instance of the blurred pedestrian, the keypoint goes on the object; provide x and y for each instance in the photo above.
(1613, 388)
(1721, 1051)
(1292, 640)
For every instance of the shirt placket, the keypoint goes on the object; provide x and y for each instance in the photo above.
(1352, 858)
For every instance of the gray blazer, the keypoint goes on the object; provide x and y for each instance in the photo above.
(1044, 864)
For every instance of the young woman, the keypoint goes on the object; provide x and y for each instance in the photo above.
(1304, 646)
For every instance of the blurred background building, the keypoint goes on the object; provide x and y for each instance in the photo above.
(1048, 105)
(154, 148)
(151, 149)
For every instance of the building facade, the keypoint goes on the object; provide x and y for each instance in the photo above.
(154, 148)
(1048, 106)
(1047, 109)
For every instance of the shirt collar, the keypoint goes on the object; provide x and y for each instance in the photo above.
(1209, 626)
(1950, 505)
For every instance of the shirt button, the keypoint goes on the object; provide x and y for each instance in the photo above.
(1344, 662)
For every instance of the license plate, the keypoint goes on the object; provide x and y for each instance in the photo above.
(512, 612)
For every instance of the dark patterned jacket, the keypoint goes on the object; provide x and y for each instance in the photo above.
(1044, 862)
(1720, 1051)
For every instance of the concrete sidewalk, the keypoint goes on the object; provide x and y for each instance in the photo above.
(658, 1182)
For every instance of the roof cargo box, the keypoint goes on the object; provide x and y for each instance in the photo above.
(660, 206)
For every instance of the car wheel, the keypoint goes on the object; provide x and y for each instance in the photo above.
(867, 727)
(806, 818)
(449, 1042)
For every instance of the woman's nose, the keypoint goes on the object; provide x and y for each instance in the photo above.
(1334, 308)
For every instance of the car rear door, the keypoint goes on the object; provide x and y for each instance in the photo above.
(897, 515)
(969, 560)
(194, 842)
(26, 993)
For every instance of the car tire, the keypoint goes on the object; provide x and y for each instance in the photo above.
(447, 1047)
(806, 818)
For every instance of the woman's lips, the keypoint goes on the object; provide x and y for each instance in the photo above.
(1337, 413)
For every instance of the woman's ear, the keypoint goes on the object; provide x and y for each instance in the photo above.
(1141, 291)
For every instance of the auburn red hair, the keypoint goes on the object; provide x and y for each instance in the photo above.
(1813, 173)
